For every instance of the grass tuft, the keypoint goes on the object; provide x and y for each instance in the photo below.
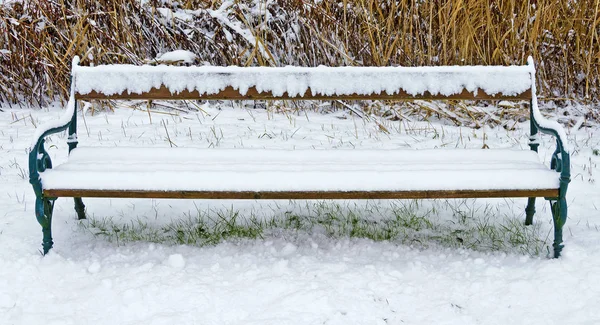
(422, 224)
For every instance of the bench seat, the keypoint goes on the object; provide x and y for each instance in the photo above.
(299, 174)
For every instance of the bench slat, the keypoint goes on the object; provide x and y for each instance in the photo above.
(229, 93)
(211, 82)
(296, 195)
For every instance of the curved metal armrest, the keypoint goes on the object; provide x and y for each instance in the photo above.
(39, 159)
(561, 158)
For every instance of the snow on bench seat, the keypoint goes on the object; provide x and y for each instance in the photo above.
(109, 171)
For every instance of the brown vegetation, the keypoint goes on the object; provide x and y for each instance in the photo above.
(39, 37)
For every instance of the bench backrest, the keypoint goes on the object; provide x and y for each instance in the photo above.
(300, 83)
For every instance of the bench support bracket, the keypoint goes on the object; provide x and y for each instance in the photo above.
(533, 145)
(560, 162)
(39, 161)
(73, 142)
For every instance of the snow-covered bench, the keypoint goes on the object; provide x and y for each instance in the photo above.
(313, 174)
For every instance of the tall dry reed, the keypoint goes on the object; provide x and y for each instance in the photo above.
(39, 37)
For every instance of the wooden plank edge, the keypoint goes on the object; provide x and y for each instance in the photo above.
(302, 195)
(229, 93)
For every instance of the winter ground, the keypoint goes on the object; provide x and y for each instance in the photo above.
(291, 275)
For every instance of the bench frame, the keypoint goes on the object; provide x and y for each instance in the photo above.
(39, 159)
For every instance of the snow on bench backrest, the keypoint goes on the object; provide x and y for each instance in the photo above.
(210, 82)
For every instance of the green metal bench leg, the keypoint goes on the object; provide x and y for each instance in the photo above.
(559, 216)
(529, 211)
(79, 208)
(43, 212)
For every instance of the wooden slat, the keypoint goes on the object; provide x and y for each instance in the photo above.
(312, 195)
(229, 93)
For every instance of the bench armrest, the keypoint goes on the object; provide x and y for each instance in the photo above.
(561, 159)
(39, 159)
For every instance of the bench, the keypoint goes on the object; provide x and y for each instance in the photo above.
(194, 173)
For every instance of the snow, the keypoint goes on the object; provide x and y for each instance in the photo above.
(295, 81)
(178, 56)
(221, 16)
(165, 12)
(94, 267)
(176, 261)
(188, 169)
(284, 277)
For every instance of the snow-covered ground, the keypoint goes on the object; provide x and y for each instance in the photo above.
(286, 277)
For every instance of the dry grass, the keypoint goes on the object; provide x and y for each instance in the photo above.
(39, 37)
